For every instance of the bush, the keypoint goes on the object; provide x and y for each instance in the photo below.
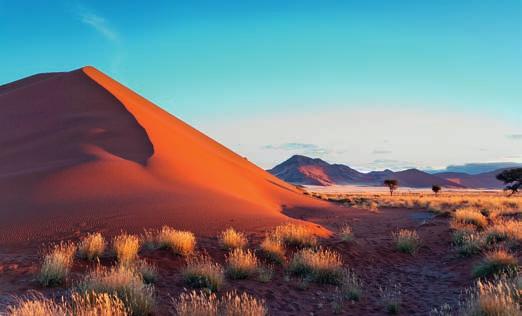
(57, 263)
(346, 233)
(231, 239)
(295, 235)
(265, 273)
(496, 262)
(125, 282)
(406, 241)
(180, 242)
(92, 246)
(504, 230)
(126, 248)
(273, 250)
(321, 266)
(202, 272)
(241, 264)
(471, 244)
(230, 304)
(351, 286)
(148, 272)
(470, 216)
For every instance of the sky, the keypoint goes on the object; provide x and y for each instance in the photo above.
(372, 84)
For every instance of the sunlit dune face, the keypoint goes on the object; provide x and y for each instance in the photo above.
(316, 173)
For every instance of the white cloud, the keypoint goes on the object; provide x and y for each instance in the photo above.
(97, 22)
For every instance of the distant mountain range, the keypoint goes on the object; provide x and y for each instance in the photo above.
(304, 170)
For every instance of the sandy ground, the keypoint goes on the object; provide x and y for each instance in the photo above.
(333, 189)
(433, 276)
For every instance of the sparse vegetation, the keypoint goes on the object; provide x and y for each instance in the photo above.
(57, 263)
(125, 282)
(406, 241)
(351, 285)
(180, 242)
(512, 178)
(241, 264)
(496, 262)
(321, 266)
(126, 248)
(499, 297)
(436, 188)
(504, 230)
(265, 273)
(273, 250)
(230, 304)
(231, 239)
(91, 246)
(148, 272)
(295, 235)
(202, 272)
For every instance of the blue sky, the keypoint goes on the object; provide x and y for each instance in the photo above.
(367, 83)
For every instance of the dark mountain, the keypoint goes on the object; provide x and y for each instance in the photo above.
(477, 168)
(309, 171)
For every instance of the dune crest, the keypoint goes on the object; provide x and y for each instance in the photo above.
(83, 152)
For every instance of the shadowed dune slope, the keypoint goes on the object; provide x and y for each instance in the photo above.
(82, 152)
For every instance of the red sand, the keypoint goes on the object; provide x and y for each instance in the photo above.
(81, 152)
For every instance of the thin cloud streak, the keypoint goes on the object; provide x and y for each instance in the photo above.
(98, 23)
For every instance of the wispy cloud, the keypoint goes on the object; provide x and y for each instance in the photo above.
(514, 136)
(308, 149)
(392, 164)
(97, 22)
(381, 151)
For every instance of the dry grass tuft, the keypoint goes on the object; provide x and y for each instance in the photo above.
(92, 246)
(321, 266)
(295, 235)
(125, 282)
(470, 215)
(391, 297)
(182, 243)
(91, 304)
(232, 239)
(407, 241)
(57, 263)
(230, 304)
(500, 297)
(241, 264)
(126, 248)
(504, 230)
(346, 233)
(202, 272)
(273, 250)
(496, 262)
(148, 272)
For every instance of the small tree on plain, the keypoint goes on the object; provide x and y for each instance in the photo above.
(392, 184)
(436, 188)
(512, 178)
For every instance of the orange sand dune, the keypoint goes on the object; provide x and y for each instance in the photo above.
(79, 152)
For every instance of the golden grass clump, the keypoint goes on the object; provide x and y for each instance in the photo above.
(273, 250)
(91, 246)
(319, 265)
(80, 304)
(499, 297)
(126, 248)
(471, 215)
(407, 241)
(201, 272)
(504, 230)
(230, 304)
(496, 262)
(125, 282)
(57, 263)
(295, 235)
(346, 233)
(231, 239)
(180, 242)
(241, 264)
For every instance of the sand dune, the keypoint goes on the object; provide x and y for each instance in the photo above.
(82, 152)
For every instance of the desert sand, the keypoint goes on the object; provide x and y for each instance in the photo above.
(81, 152)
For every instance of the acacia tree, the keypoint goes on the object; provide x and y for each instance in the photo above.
(392, 184)
(512, 178)
(436, 188)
